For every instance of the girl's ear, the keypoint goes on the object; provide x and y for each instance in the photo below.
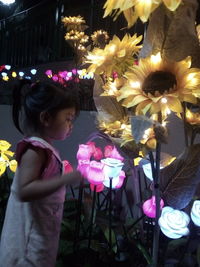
(45, 118)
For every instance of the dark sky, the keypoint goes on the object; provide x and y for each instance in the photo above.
(20, 5)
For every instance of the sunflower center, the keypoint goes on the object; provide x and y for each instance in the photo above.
(160, 81)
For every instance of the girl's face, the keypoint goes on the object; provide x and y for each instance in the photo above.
(60, 126)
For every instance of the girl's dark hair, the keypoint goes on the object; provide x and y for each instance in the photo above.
(32, 99)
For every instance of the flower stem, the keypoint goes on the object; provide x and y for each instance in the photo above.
(156, 179)
(157, 197)
(110, 214)
(92, 217)
(184, 122)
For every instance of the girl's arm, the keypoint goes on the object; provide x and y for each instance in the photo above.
(31, 187)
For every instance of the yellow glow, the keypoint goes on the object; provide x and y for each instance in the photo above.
(5, 78)
(123, 126)
(112, 48)
(155, 59)
(135, 84)
(168, 111)
(164, 100)
(14, 74)
(137, 161)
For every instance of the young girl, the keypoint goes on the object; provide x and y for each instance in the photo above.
(30, 235)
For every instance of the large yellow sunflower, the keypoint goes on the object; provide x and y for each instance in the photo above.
(115, 57)
(159, 85)
(134, 9)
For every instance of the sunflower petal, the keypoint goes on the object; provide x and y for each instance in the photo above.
(3, 166)
(136, 100)
(130, 16)
(174, 104)
(13, 165)
(4, 145)
(172, 4)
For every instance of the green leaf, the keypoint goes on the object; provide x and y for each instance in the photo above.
(138, 126)
(179, 180)
(144, 252)
(113, 239)
(107, 106)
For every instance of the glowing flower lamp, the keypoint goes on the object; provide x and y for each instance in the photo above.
(21, 73)
(173, 223)
(112, 169)
(195, 212)
(67, 166)
(122, 176)
(7, 67)
(55, 78)
(4, 74)
(98, 155)
(33, 71)
(84, 152)
(14, 74)
(99, 187)
(162, 85)
(74, 71)
(5, 154)
(95, 173)
(149, 207)
(83, 166)
(111, 152)
(69, 74)
(49, 73)
(7, 2)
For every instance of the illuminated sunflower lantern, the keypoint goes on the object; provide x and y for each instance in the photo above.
(100, 38)
(134, 9)
(174, 223)
(156, 84)
(115, 57)
(5, 156)
(195, 213)
(73, 23)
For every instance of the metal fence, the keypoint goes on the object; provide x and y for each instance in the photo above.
(36, 35)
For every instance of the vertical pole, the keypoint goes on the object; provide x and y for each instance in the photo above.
(92, 217)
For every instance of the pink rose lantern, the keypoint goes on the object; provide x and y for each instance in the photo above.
(67, 167)
(95, 174)
(99, 187)
(122, 176)
(149, 207)
(83, 165)
(84, 152)
(111, 152)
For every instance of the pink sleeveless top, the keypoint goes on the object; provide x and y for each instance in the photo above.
(31, 230)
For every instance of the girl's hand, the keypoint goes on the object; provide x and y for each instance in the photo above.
(72, 177)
